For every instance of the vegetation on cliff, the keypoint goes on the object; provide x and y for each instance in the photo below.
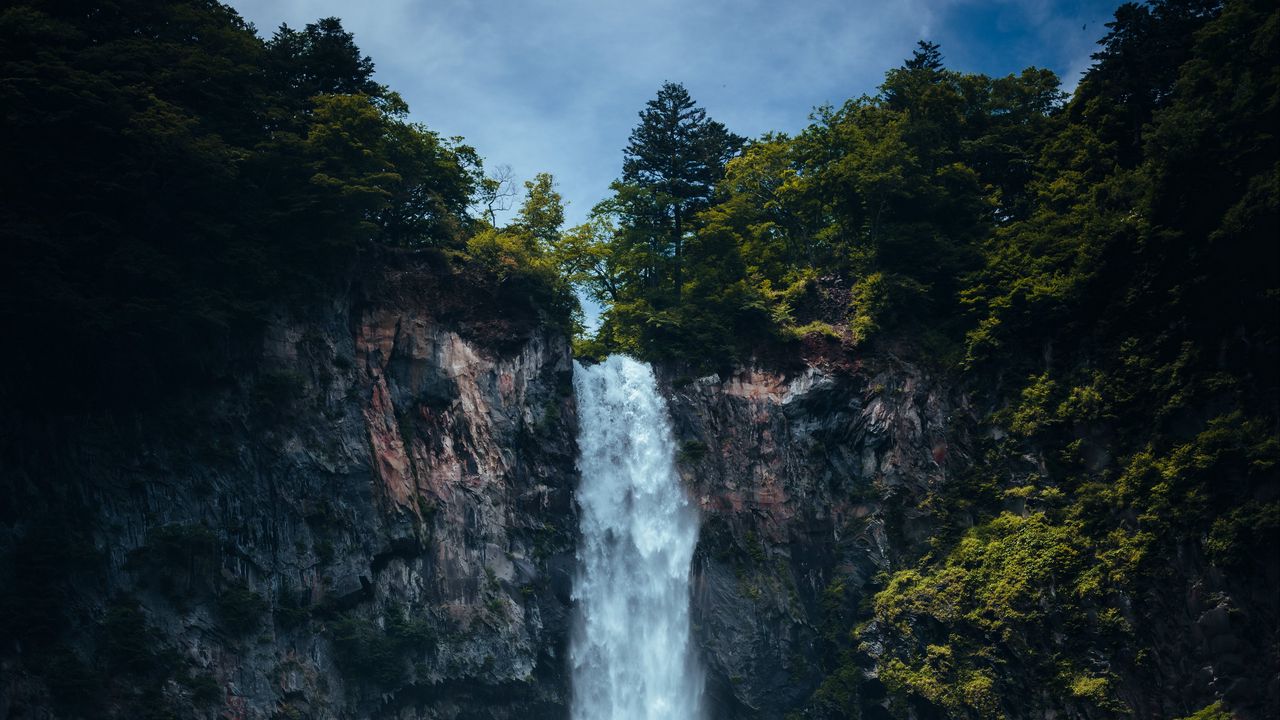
(1121, 326)
(171, 178)
(1102, 271)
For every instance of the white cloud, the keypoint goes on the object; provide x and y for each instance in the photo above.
(556, 86)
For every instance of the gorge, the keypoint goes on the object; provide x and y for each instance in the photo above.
(959, 400)
(395, 535)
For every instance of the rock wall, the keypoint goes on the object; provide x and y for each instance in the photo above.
(809, 483)
(377, 521)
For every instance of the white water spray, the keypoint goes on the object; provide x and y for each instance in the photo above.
(631, 650)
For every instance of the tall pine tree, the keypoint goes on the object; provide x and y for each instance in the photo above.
(675, 156)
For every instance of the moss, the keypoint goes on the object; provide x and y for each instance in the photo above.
(691, 451)
(958, 688)
(1216, 711)
(1096, 689)
(816, 327)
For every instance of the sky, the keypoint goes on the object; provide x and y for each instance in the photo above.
(556, 86)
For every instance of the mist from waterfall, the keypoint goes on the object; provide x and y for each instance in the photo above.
(631, 651)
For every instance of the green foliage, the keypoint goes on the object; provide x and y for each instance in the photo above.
(74, 685)
(365, 652)
(239, 608)
(380, 654)
(1132, 293)
(275, 390)
(1034, 412)
(1239, 533)
(999, 593)
(1216, 711)
(179, 543)
(863, 224)
(691, 451)
(670, 168)
(126, 640)
(671, 287)
(755, 549)
(291, 608)
(177, 559)
(1108, 269)
(526, 255)
(194, 177)
(204, 688)
(542, 213)
(134, 662)
(37, 570)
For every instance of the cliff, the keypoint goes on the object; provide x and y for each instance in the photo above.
(374, 518)
(374, 521)
(810, 483)
(377, 520)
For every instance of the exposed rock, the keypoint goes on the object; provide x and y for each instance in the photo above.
(376, 523)
(808, 482)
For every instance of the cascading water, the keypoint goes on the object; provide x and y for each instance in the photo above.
(631, 651)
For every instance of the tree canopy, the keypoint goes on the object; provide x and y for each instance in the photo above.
(171, 178)
(1101, 272)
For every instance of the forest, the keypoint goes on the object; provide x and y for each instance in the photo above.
(1100, 271)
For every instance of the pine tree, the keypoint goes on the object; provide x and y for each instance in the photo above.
(676, 155)
(927, 56)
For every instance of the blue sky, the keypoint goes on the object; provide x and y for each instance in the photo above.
(545, 86)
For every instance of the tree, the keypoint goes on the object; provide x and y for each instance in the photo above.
(585, 255)
(215, 174)
(675, 157)
(927, 56)
(1135, 69)
(542, 213)
(322, 58)
(494, 193)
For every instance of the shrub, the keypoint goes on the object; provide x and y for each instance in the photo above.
(239, 608)
(375, 654)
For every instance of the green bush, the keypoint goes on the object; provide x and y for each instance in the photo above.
(379, 654)
(239, 608)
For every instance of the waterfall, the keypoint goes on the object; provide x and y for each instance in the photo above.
(631, 651)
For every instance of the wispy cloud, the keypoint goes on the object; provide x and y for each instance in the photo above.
(555, 86)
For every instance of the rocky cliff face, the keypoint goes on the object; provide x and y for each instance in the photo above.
(376, 523)
(810, 484)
